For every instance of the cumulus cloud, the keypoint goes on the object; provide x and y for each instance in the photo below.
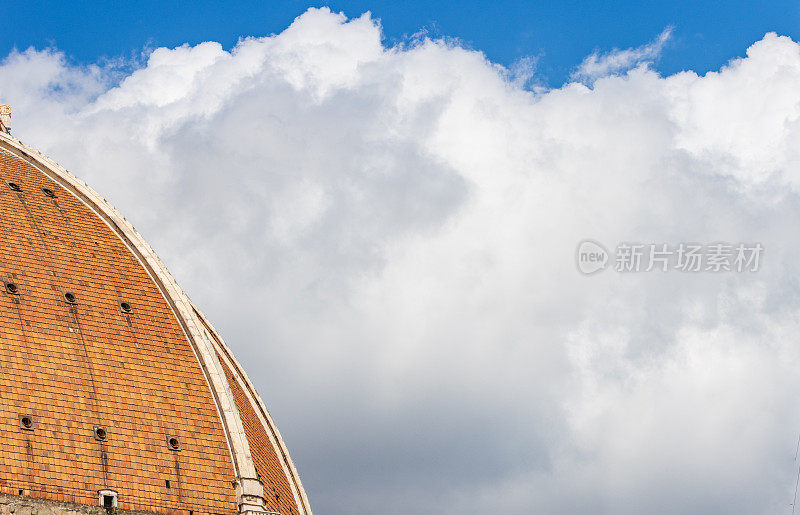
(385, 236)
(599, 64)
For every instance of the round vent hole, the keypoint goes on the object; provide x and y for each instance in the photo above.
(14, 186)
(70, 297)
(26, 421)
(125, 307)
(49, 193)
(174, 443)
(12, 288)
(100, 434)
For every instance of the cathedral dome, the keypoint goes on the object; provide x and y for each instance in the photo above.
(115, 391)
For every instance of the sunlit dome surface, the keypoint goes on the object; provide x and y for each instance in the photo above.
(115, 390)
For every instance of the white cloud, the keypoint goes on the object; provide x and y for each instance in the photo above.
(386, 237)
(598, 65)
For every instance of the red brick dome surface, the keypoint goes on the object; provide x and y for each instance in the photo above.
(110, 379)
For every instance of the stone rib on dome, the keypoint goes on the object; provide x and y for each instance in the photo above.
(157, 372)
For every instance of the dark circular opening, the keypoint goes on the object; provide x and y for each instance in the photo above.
(126, 307)
(174, 443)
(27, 422)
(14, 186)
(69, 297)
(12, 288)
(48, 192)
(100, 432)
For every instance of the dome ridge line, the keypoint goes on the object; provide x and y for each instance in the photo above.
(301, 499)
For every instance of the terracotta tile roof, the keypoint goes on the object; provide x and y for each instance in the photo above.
(73, 367)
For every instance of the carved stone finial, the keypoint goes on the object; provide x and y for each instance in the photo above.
(5, 117)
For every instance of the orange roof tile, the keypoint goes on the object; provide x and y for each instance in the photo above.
(144, 375)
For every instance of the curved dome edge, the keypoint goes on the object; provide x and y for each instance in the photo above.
(250, 494)
(258, 405)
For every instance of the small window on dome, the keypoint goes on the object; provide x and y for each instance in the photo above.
(26, 422)
(13, 186)
(173, 443)
(11, 287)
(125, 307)
(70, 298)
(49, 193)
(100, 434)
(108, 499)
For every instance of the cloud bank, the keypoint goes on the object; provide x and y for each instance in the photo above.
(386, 237)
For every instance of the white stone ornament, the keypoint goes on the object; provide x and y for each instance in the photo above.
(5, 117)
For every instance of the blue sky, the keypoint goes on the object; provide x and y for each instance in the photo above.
(387, 239)
(560, 34)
